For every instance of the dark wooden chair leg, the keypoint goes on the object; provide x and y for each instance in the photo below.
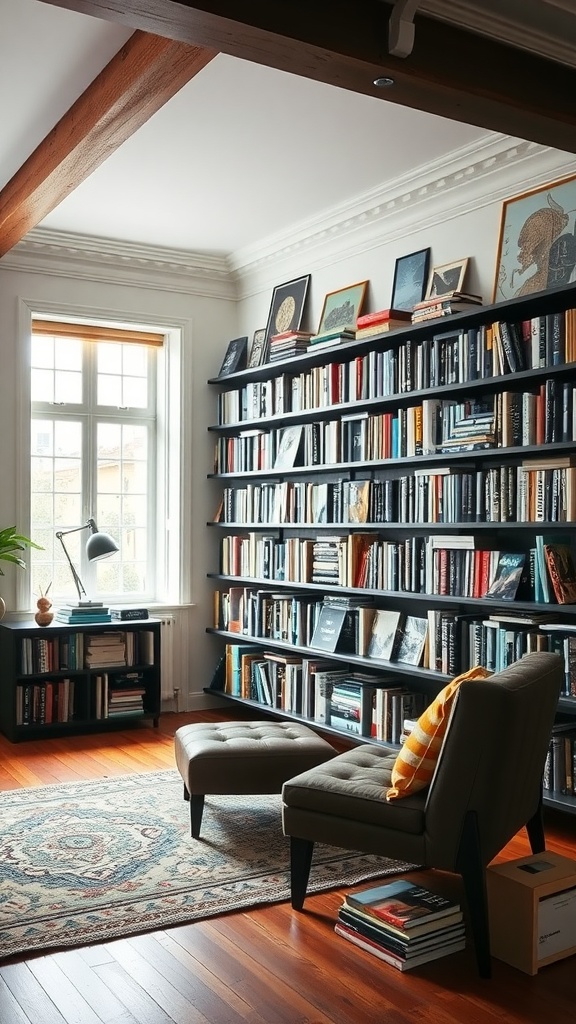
(196, 809)
(301, 851)
(470, 866)
(535, 830)
(186, 793)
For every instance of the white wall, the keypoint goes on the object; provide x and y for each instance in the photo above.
(454, 208)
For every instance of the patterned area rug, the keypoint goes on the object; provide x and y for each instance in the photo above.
(93, 861)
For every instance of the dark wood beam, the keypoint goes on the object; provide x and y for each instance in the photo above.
(139, 79)
(451, 72)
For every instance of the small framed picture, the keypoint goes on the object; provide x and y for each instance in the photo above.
(286, 308)
(342, 308)
(410, 279)
(448, 278)
(257, 349)
(235, 358)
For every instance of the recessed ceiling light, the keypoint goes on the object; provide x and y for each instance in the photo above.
(383, 83)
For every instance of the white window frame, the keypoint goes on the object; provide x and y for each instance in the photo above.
(173, 475)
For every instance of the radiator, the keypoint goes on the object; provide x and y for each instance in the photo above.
(168, 647)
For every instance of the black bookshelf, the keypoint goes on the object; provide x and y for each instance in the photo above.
(51, 689)
(404, 400)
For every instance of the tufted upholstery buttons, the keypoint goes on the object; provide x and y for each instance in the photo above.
(243, 757)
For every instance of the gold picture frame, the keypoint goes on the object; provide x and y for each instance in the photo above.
(447, 278)
(537, 240)
(341, 308)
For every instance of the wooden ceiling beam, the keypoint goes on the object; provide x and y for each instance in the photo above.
(139, 79)
(451, 72)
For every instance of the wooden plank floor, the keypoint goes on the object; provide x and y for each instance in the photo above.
(266, 966)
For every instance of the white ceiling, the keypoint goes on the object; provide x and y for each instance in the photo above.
(239, 154)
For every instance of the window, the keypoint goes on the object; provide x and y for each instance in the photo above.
(95, 452)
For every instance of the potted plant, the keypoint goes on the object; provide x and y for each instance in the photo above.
(11, 543)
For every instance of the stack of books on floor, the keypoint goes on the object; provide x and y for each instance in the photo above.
(401, 923)
(83, 614)
(444, 305)
(287, 344)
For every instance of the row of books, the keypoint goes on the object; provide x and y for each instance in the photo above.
(77, 650)
(455, 356)
(46, 703)
(560, 765)
(324, 691)
(432, 427)
(535, 491)
(462, 565)
(443, 641)
(51, 653)
(403, 924)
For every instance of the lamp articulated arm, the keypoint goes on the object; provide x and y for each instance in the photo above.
(60, 535)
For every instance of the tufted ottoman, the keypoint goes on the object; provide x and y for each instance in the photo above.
(243, 757)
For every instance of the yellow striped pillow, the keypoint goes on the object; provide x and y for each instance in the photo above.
(414, 767)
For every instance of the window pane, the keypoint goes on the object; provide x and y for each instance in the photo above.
(135, 393)
(109, 356)
(42, 352)
(42, 386)
(67, 438)
(41, 474)
(135, 360)
(68, 354)
(42, 437)
(68, 387)
(109, 390)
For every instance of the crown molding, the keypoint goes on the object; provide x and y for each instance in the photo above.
(491, 170)
(525, 32)
(474, 176)
(64, 254)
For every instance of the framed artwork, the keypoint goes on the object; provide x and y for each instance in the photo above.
(235, 358)
(287, 307)
(410, 279)
(258, 347)
(537, 242)
(342, 308)
(447, 278)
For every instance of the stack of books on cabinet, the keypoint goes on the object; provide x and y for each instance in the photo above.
(401, 923)
(427, 475)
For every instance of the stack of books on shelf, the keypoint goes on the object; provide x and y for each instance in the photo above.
(333, 338)
(106, 649)
(381, 321)
(83, 614)
(126, 695)
(444, 305)
(287, 344)
(401, 923)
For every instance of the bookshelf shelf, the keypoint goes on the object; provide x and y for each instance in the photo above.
(462, 428)
(52, 685)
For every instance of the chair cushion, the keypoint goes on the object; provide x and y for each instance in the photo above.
(415, 764)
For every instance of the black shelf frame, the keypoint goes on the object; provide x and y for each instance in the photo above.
(513, 310)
